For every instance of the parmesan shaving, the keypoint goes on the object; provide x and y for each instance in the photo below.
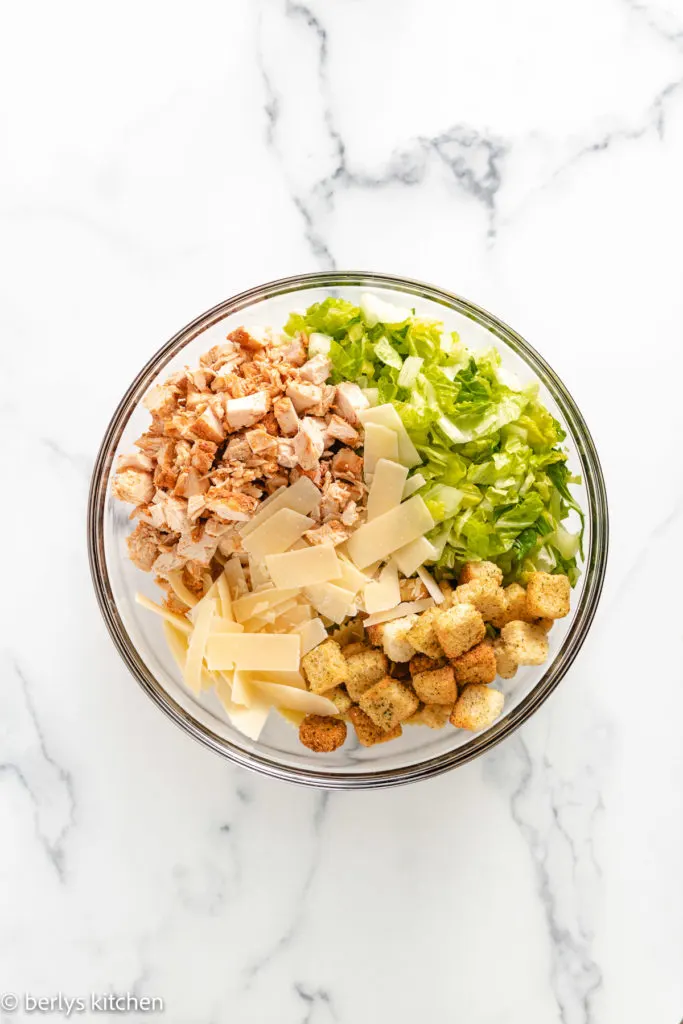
(221, 625)
(331, 601)
(266, 652)
(387, 487)
(412, 484)
(387, 416)
(175, 579)
(277, 534)
(176, 620)
(223, 588)
(389, 532)
(177, 643)
(385, 593)
(431, 585)
(301, 497)
(407, 608)
(413, 555)
(197, 644)
(305, 567)
(379, 443)
(248, 606)
(351, 578)
(294, 698)
(237, 581)
(311, 633)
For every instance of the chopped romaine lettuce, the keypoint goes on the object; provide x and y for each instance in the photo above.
(496, 476)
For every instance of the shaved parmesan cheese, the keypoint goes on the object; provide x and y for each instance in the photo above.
(175, 578)
(407, 608)
(285, 678)
(387, 416)
(385, 593)
(414, 483)
(177, 643)
(265, 652)
(293, 697)
(301, 497)
(260, 579)
(431, 585)
(351, 578)
(197, 645)
(305, 567)
(331, 601)
(295, 616)
(176, 620)
(246, 607)
(277, 534)
(234, 574)
(379, 443)
(413, 555)
(389, 532)
(386, 491)
(224, 598)
(294, 718)
(249, 721)
(311, 633)
(242, 691)
(221, 625)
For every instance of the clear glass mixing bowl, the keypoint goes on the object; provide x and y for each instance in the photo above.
(420, 752)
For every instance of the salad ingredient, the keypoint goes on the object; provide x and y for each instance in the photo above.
(386, 490)
(478, 665)
(364, 668)
(410, 557)
(385, 593)
(278, 533)
(459, 628)
(323, 735)
(304, 567)
(325, 667)
(548, 596)
(526, 643)
(266, 652)
(367, 733)
(379, 443)
(477, 707)
(389, 532)
(388, 703)
(436, 686)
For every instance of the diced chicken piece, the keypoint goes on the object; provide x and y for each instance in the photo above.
(136, 460)
(286, 454)
(202, 455)
(150, 444)
(217, 355)
(231, 505)
(207, 427)
(304, 396)
(161, 400)
(339, 429)
(346, 465)
(309, 443)
(286, 416)
(253, 340)
(350, 514)
(245, 412)
(197, 546)
(330, 533)
(190, 484)
(168, 561)
(336, 496)
(326, 400)
(316, 370)
(261, 442)
(133, 485)
(350, 400)
(174, 511)
(295, 352)
(143, 546)
(237, 450)
(195, 506)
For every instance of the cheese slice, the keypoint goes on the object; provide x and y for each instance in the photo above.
(253, 604)
(221, 625)
(351, 578)
(197, 645)
(301, 497)
(224, 597)
(260, 578)
(277, 534)
(249, 721)
(413, 555)
(305, 567)
(413, 483)
(385, 593)
(285, 678)
(294, 698)
(407, 608)
(234, 574)
(294, 617)
(175, 578)
(379, 443)
(333, 602)
(177, 643)
(265, 652)
(431, 585)
(387, 487)
(179, 621)
(387, 416)
(311, 633)
(242, 691)
(294, 718)
(389, 532)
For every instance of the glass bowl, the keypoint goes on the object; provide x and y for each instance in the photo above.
(421, 752)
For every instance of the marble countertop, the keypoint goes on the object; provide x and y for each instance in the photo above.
(158, 158)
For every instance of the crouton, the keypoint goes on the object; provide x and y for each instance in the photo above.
(506, 666)
(446, 589)
(367, 732)
(459, 628)
(480, 571)
(395, 640)
(423, 635)
(477, 707)
(434, 716)
(376, 634)
(526, 644)
(388, 703)
(340, 699)
(364, 670)
(515, 609)
(478, 665)
(437, 686)
(421, 663)
(548, 596)
(545, 624)
(485, 595)
(322, 734)
(324, 666)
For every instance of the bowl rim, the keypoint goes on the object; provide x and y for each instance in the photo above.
(594, 565)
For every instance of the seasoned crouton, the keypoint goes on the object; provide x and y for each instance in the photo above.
(545, 624)
(324, 666)
(367, 732)
(421, 663)
(376, 634)
(434, 716)
(516, 609)
(459, 628)
(477, 707)
(340, 699)
(478, 665)
(423, 634)
(506, 666)
(354, 648)
(527, 644)
(480, 571)
(548, 596)
(395, 640)
(485, 595)
(322, 734)
(446, 589)
(436, 686)
(388, 703)
(364, 670)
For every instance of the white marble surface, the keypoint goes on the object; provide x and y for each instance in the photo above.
(158, 157)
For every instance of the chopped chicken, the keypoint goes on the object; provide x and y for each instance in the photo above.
(350, 514)
(346, 465)
(143, 546)
(245, 412)
(136, 460)
(207, 427)
(195, 506)
(253, 340)
(350, 400)
(237, 450)
(330, 533)
(316, 370)
(261, 442)
(168, 561)
(174, 511)
(189, 484)
(326, 400)
(197, 546)
(286, 416)
(286, 454)
(309, 443)
(230, 504)
(336, 496)
(161, 400)
(296, 352)
(202, 455)
(133, 485)
(304, 396)
(339, 429)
